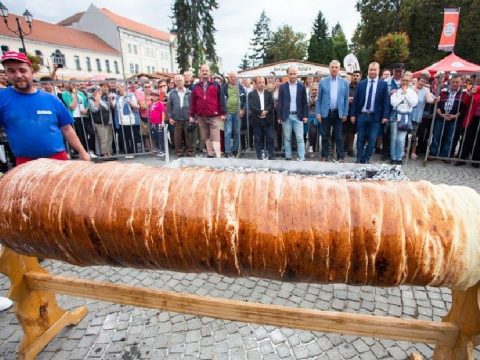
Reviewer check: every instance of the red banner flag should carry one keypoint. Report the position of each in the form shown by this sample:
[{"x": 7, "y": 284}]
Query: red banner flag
[{"x": 450, "y": 29}]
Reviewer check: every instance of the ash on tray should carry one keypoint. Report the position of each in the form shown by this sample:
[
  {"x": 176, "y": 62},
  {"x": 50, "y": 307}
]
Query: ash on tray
[{"x": 371, "y": 173}]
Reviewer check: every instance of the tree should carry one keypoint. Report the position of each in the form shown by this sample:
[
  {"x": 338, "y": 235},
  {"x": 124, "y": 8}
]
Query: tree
[
  {"x": 262, "y": 36},
  {"x": 339, "y": 43},
  {"x": 320, "y": 44},
  {"x": 392, "y": 48},
  {"x": 422, "y": 21},
  {"x": 194, "y": 25},
  {"x": 287, "y": 44},
  {"x": 35, "y": 62},
  {"x": 377, "y": 19},
  {"x": 245, "y": 64}
]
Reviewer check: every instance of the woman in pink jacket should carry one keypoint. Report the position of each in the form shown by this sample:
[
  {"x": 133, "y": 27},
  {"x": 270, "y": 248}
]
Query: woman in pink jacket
[{"x": 157, "y": 120}]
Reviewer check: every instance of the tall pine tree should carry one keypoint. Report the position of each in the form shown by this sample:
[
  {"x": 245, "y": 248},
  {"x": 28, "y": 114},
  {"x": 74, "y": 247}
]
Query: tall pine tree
[
  {"x": 245, "y": 64},
  {"x": 339, "y": 43},
  {"x": 195, "y": 30},
  {"x": 262, "y": 36},
  {"x": 320, "y": 45}
]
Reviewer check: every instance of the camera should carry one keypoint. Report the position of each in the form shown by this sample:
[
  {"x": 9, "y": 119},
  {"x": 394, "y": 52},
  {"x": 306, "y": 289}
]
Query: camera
[{"x": 191, "y": 126}]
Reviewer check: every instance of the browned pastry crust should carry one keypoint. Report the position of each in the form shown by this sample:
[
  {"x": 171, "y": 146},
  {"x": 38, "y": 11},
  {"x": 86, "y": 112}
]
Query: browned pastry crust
[{"x": 285, "y": 227}]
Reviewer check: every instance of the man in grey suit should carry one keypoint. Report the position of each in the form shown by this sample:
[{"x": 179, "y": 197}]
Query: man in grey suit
[{"x": 332, "y": 109}]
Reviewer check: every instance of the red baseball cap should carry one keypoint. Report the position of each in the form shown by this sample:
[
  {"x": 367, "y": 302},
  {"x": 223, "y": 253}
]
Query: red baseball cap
[{"x": 15, "y": 56}]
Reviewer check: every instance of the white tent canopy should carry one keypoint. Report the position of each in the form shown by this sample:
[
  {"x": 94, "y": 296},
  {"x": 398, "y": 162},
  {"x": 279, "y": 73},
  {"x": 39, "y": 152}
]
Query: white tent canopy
[{"x": 305, "y": 68}]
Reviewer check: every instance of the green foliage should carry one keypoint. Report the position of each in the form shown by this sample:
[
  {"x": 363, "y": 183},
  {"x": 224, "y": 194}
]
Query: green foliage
[
  {"x": 320, "y": 47},
  {"x": 245, "y": 64},
  {"x": 195, "y": 29},
  {"x": 422, "y": 21},
  {"x": 339, "y": 43},
  {"x": 262, "y": 37},
  {"x": 35, "y": 62},
  {"x": 287, "y": 44},
  {"x": 392, "y": 48}
]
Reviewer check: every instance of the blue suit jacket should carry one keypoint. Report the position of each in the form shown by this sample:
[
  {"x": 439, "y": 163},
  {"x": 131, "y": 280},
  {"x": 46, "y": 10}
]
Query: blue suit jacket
[
  {"x": 323, "y": 98},
  {"x": 284, "y": 101},
  {"x": 381, "y": 108}
]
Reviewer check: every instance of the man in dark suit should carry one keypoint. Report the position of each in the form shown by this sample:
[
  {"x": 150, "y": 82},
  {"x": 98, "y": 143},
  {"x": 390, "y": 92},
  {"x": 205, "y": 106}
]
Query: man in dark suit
[
  {"x": 293, "y": 112},
  {"x": 370, "y": 109},
  {"x": 261, "y": 108}
]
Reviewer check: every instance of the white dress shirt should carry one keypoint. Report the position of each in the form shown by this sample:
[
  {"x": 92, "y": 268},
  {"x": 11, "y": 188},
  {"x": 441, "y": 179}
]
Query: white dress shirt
[
  {"x": 181, "y": 95},
  {"x": 333, "y": 93},
  {"x": 261, "y": 95},
  {"x": 293, "y": 96},
  {"x": 375, "y": 83}
]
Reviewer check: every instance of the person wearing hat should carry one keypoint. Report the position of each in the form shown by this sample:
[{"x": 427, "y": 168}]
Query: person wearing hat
[{"x": 36, "y": 122}]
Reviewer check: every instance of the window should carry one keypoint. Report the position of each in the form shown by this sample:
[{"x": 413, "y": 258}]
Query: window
[
  {"x": 76, "y": 58},
  {"x": 58, "y": 58},
  {"x": 149, "y": 52},
  {"x": 4, "y": 48},
  {"x": 135, "y": 49},
  {"x": 21, "y": 50},
  {"x": 107, "y": 66},
  {"x": 136, "y": 68},
  {"x": 153, "y": 69},
  {"x": 115, "y": 64},
  {"x": 129, "y": 48},
  {"x": 89, "y": 64},
  {"x": 99, "y": 65},
  {"x": 148, "y": 69},
  {"x": 131, "y": 68},
  {"x": 39, "y": 55}
]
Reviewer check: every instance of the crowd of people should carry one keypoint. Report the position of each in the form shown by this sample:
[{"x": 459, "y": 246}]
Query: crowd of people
[{"x": 337, "y": 117}]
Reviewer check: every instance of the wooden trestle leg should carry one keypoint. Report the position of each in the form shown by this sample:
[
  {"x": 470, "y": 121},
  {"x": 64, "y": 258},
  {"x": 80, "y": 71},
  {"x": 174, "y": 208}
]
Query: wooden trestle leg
[
  {"x": 37, "y": 311},
  {"x": 465, "y": 312}
]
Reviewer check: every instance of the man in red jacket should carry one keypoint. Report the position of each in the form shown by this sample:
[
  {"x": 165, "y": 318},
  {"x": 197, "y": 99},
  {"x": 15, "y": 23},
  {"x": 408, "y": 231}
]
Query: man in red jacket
[{"x": 207, "y": 107}]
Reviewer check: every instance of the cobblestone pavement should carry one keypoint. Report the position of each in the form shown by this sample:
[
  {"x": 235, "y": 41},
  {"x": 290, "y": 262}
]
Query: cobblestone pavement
[{"x": 113, "y": 331}]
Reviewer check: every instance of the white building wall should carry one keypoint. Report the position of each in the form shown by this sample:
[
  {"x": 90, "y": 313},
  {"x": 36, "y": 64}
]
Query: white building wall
[
  {"x": 145, "y": 54},
  {"x": 96, "y": 22},
  {"x": 70, "y": 69}
]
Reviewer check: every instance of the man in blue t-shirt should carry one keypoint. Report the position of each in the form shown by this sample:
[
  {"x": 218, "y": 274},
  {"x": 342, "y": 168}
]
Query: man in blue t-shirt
[{"x": 35, "y": 121}]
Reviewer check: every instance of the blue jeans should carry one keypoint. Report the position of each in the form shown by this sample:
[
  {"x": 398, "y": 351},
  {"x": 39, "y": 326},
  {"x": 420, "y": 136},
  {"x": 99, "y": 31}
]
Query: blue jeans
[
  {"x": 397, "y": 141},
  {"x": 232, "y": 128},
  {"x": 327, "y": 123},
  {"x": 442, "y": 141},
  {"x": 367, "y": 131},
  {"x": 293, "y": 122},
  {"x": 156, "y": 131}
]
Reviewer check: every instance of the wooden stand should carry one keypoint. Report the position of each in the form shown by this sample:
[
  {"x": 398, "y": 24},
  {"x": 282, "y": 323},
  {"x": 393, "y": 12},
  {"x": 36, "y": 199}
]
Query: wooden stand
[
  {"x": 33, "y": 290},
  {"x": 37, "y": 311}
]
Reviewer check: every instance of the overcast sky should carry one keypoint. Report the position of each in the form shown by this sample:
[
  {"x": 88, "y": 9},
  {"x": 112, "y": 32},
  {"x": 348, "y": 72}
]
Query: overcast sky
[{"x": 234, "y": 19}]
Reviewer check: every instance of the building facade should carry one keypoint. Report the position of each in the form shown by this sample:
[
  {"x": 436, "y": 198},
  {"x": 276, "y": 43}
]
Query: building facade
[
  {"x": 144, "y": 49},
  {"x": 305, "y": 68},
  {"x": 79, "y": 54}
]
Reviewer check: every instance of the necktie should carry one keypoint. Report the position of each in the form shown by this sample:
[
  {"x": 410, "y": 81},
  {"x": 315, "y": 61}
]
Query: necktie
[{"x": 369, "y": 106}]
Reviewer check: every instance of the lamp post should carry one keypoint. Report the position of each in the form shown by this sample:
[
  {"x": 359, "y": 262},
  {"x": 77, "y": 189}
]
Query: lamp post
[{"x": 20, "y": 32}]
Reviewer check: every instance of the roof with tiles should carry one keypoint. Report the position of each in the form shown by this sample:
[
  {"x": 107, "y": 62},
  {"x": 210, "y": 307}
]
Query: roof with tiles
[
  {"x": 58, "y": 35},
  {"x": 71, "y": 19},
  {"x": 137, "y": 27}
]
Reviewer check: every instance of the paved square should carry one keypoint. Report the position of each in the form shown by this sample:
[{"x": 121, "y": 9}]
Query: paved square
[{"x": 113, "y": 331}]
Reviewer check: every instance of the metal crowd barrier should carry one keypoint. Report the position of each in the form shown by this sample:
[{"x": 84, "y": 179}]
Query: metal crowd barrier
[
  {"x": 457, "y": 151},
  {"x": 127, "y": 141}
]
